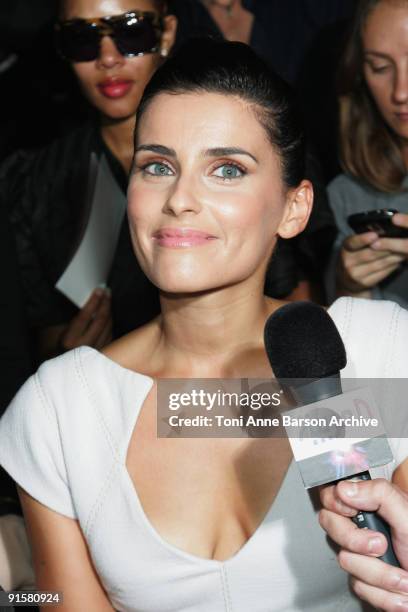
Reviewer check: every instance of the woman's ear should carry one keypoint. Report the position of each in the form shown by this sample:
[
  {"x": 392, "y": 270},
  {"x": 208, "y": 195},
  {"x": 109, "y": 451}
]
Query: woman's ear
[
  {"x": 298, "y": 207},
  {"x": 169, "y": 34}
]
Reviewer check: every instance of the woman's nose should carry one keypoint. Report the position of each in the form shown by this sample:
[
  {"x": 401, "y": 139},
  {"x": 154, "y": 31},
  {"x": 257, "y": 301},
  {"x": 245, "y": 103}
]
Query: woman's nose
[
  {"x": 181, "y": 200},
  {"x": 109, "y": 56},
  {"x": 400, "y": 92}
]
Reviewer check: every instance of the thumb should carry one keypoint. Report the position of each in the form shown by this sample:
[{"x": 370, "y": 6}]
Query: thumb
[{"x": 389, "y": 501}]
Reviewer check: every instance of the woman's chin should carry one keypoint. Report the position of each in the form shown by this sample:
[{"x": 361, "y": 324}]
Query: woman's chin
[
  {"x": 193, "y": 288},
  {"x": 183, "y": 288},
  {"x": 179, "y": 285},
  {"x": 112, "y": 115},
  {"x": 115, "y": 110}
]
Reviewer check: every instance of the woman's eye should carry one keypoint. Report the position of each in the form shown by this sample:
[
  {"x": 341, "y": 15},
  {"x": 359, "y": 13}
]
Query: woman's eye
[
  {"x": 379, "y": 69},
  {"x": 157, "y": 169},
  {"x": 229, "y": 171}
]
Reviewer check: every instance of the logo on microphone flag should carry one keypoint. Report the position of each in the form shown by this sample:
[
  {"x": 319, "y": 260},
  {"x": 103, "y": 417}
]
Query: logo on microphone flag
[{"x": 337, "y": 437}]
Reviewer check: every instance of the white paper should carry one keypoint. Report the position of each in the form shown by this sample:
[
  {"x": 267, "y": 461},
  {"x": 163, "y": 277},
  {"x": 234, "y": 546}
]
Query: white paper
[{"x": 90, "y": 266}]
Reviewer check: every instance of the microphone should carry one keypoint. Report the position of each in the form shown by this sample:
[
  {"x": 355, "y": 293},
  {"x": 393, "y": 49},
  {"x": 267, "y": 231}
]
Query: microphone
[{"x": 303, "y": 344}]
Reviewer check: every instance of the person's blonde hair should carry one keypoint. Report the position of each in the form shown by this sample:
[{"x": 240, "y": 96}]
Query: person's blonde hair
[{"x": 369, "y": 149}]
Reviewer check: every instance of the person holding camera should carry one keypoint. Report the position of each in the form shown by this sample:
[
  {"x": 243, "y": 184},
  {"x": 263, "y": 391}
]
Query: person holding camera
[{"x": 373, "y": 88}]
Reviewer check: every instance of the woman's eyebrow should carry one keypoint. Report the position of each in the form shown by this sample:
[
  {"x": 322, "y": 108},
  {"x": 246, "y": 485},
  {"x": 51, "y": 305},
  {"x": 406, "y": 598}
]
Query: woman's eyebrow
[
  {"x": 156, "y": 148},
  {"x": 377, "y": 54},
  {"x": 214, "y": 152},
  {"x": 221, "y": 151}
]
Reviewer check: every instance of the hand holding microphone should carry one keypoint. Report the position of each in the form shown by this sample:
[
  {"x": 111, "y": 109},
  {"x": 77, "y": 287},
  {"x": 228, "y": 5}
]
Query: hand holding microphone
[
  {"x": 380, "y": 584},
  {"x": 307, "y": 353}
]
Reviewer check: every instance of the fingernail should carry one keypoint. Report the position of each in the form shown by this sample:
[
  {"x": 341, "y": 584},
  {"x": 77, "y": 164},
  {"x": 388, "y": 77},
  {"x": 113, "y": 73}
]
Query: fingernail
[
  {"x": 376, "y": 245},
  {"x": 99, "y": 292},
  {"x": 351, "y": 490},
  {"x": 403, "y": 585},
  {"x": 374, "y": 545}
]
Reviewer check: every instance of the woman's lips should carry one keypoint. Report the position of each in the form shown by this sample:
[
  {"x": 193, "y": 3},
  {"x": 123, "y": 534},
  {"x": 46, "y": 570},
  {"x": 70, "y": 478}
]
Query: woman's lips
[
  {"x": 114, "y": 88},
  {"x": 178, "y": 239},
  {"x": 402, "y": 116}
]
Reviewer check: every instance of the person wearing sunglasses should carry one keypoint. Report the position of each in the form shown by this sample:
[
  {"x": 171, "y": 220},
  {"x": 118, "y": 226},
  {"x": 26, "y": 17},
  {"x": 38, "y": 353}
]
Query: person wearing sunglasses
[
  {"x": 113, "y": 57},
  {"x": 113, "y": 48}
]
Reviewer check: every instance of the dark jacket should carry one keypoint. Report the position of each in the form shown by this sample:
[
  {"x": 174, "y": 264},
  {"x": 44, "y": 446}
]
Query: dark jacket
[
  {"x": 46, "y": 195},
  {"x": 15, "y": 357},
  {"x": 282, "y": 32}
]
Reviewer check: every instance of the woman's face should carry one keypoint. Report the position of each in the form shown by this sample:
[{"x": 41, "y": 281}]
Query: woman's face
[
  {"x": 385, "y": 46},
  {"x": 113, "y": 83},
  {"x": 206, "y": 197}
]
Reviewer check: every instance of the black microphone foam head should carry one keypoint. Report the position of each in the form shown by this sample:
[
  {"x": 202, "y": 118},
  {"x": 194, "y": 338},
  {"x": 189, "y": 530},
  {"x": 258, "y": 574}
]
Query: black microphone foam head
[{"x": 302, "y": 341}]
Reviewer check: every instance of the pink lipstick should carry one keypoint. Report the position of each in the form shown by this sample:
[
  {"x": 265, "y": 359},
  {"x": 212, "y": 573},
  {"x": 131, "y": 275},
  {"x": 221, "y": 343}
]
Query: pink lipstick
[
  {"x": 181, "y": 238},
  {"x": 114, "y": 88}
]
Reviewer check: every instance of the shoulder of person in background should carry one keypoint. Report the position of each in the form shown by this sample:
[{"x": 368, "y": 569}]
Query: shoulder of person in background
[
  {"x": 15, "y": 351},
  {"x": 345, "y": 181},
  {"x": 349, "y": 195},
  {"x": 34, "y": 169},
  {"x": 358, "y": 265},
  {"x": 346, "y": 191},
  {"x": 43, "y": 192}
]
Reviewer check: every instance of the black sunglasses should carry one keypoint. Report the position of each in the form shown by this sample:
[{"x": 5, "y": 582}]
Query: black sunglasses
[{"x": 134, "y": 33}]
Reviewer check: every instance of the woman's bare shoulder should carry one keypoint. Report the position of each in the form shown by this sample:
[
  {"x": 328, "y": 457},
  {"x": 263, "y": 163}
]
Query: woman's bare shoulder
[{"x": 136, "y": 350}]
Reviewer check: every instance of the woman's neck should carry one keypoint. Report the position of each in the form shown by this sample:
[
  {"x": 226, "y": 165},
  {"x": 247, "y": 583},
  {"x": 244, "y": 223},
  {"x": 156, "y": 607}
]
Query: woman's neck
[
  {"x": 214, "y": 334},
  {"x": 118, "y": 137}
]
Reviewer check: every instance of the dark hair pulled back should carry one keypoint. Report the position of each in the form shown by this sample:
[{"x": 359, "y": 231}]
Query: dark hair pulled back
[{"x": 232, "y": 68}]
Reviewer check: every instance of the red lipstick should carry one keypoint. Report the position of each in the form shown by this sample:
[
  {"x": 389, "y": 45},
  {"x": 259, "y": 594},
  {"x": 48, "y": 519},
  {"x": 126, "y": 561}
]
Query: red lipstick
[{"x": 114, "y": 88}]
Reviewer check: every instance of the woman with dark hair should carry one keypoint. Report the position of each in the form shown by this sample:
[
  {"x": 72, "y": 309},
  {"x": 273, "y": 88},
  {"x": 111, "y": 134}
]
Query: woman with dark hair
[
  {"x": 119, "y": 517},
  {"x": 270, "y": 27},
  {"x": 373, "y": 90},
  {"x": 54, "y": 195}
]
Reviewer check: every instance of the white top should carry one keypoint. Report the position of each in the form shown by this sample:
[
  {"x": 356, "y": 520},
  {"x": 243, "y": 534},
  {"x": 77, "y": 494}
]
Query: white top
[{"x": 64, "y": 439}]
